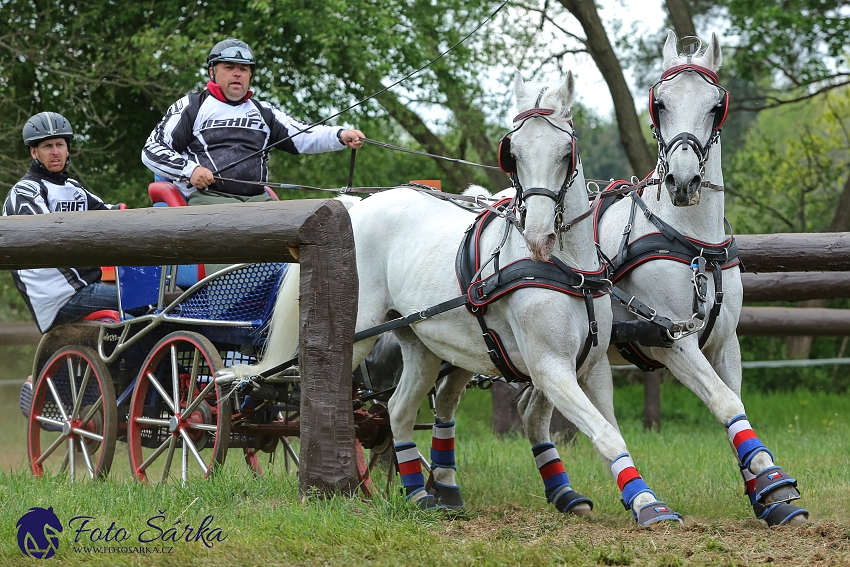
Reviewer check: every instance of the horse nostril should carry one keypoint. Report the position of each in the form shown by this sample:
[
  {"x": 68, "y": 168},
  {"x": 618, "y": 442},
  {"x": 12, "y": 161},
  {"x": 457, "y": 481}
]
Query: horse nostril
[
  {"x": 669, "y": 182},
  {"x": 694, "y": 184}
]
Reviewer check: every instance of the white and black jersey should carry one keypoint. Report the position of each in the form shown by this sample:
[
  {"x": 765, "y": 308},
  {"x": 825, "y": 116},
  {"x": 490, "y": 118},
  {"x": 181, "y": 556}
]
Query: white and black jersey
[
  {"x": 201, "y": 129},
  {"x": 47, "y": 290}
]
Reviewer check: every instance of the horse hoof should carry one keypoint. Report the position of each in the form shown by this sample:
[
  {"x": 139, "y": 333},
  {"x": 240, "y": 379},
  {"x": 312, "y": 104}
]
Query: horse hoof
[
  {"x": 581, "y": 510},
  {"x": 656, "y": 512}
]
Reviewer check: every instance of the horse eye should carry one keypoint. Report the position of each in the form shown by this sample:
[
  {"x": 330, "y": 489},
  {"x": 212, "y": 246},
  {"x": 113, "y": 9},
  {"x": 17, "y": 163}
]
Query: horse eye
[{"x": 660, "y": 105}]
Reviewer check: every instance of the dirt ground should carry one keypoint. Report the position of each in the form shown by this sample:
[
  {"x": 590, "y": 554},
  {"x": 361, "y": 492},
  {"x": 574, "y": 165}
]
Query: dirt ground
[{"x": 734, "y": 542}]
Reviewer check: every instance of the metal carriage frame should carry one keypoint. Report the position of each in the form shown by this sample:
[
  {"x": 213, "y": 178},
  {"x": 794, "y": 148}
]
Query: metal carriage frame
[{"x": 150, "y": 381}]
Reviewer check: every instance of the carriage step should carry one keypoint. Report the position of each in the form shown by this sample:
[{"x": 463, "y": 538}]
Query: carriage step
[{"x": 26, "y": 399}]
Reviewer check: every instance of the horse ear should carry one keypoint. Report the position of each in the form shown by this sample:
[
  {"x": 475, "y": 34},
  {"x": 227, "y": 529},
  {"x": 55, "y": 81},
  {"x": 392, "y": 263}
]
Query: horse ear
[
  {"x": 671, "y": 51},
  {"x": 567, "y": 92},
  {"x": 713, "y": 55},
  {"x": 519, "y": 86}
]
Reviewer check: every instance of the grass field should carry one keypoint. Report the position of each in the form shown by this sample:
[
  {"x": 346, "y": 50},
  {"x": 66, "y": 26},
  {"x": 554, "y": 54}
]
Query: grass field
[{"x": 506, "y": 522}]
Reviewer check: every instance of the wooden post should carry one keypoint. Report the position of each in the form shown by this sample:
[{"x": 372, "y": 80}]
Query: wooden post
[
  {"x": 652, "y": 400},
  {"x": 825, "y": 251},
  {"x": 320, "y": 230},
  {"x": 506, "y": 416}
]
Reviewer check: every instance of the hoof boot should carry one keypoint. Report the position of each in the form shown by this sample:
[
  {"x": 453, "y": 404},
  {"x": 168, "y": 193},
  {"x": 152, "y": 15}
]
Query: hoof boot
[
  {"x": 781, "y": 514},
  {"x": 448, "y": 496},
  {"x": 568, "y": 500},
  {"x": 656, "y": 512}
]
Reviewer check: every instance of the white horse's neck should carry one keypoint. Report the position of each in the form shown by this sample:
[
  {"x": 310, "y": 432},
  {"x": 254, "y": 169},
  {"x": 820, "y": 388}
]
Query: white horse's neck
[
  {"x": 703, "y": 221},
  {"x": 579, "y": 248}
]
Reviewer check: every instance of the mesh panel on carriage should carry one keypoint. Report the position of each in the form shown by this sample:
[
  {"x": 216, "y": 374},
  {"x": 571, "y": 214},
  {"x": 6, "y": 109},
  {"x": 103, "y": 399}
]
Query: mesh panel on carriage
[{"x": 245, "y": 295}]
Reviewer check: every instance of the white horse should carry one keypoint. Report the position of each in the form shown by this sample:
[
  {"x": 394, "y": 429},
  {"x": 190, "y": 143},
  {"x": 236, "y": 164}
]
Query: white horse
[
  {"x": 407, "y": 243},
  {"x": 688, "y": 110}
]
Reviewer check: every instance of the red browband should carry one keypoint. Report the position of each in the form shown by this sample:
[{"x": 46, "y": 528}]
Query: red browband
[
  {"x": 704, "y": 71},
  {"x": 534, "y": 112}
]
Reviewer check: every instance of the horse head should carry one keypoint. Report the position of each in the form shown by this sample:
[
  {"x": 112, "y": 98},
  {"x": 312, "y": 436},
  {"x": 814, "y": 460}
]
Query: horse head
[
  {"x": 687, "y": 108},
  {"x": 541, "y": 157}
]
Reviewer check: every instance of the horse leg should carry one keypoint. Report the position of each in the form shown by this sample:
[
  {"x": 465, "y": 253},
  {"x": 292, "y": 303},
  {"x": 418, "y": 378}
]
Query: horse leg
[
  {"x": 536, "y": 413},
  {"x": 442, "y": 483},
  {"x": 769, "y": 488},
  {"x": 572, "y": 402},
  {"x": 418, "y": 376}
]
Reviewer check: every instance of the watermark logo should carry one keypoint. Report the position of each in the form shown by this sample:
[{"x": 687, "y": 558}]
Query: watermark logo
[{"x": 38, "y": 533}]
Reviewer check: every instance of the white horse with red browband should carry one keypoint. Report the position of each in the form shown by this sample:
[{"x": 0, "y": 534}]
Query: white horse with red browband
[
  {"x": 407, "y": 244},
  {"x": 688, "y": 108}
]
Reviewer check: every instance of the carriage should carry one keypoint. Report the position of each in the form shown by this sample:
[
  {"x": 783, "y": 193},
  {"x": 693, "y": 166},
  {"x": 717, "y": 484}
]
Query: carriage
[{"x": 149, "y": 380}]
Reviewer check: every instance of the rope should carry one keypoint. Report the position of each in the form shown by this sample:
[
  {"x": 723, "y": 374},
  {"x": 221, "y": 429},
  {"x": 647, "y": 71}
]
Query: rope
[
  {"x": 435, "y": 156},
  {"x": 358, "y": 103}
]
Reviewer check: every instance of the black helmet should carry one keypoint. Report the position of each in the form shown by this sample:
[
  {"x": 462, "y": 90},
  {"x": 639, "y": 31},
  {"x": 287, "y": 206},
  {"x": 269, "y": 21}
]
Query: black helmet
[
  {"x": 232, "y": 50},
  {"x": 46, "y": 125}
]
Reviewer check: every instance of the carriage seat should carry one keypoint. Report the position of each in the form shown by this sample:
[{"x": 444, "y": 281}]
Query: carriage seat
[
  {"x": 165, "y": 194},
  {"x": 104, "y": 315}
]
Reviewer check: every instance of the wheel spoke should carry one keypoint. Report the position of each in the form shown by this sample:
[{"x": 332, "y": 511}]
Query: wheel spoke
[
  {"x": 152, "y": 421},
  {"x": 73, "y": 380},
  {"x": 172, "y": 444},
  {"x": 92, "y": 410},
  {"x": 86, "y": 457},
  {"x": 203, "y": 427},
  {"x": 175, "y": 378},
  {"x": 161, "y": 391},
  {"x": 48, "y": 421},
  {"x": 47, "y": 452},
  {"x": 191, "y": 407},
  {"x": 188, "y": 441},
  {"x": 64, "y": 463},
  {"x": 56, "y": 398},
  {"x": 83, "y": 385},
  {"x": 193, "y": 377},
  {"x": 290, "y": 451},
  {"x": 72, "y": 459},
  {"x": 88, "y": 434},
  {"x": 184, "y": 461},
  {"x": 155, "y": 454}
]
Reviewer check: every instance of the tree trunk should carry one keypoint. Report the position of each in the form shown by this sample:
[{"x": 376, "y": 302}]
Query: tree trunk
[
  {"x": 652, "y": 400},
  {"x": 680, "y": 15},
  {"x": 603, "y": 55},
  {"x": 506, "y": 416}
]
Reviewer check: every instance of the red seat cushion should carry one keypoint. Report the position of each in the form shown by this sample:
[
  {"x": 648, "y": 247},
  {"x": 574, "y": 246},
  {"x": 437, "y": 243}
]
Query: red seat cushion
[
  {"x": 105, "y": 315},
  {"x": 164, "y": 192}
]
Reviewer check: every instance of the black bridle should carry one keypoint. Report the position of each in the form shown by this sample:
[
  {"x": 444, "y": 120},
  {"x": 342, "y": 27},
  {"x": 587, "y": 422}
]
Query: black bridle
[
  {"x": 687, "y": 140},
  {"x": 558, "y": 197}
]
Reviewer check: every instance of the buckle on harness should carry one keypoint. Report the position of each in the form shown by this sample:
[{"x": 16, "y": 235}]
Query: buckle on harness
[
  {"x": 594, "y": 327},
  {"x": 648, "y": 214},
  {"x": 627, "y": 229}
]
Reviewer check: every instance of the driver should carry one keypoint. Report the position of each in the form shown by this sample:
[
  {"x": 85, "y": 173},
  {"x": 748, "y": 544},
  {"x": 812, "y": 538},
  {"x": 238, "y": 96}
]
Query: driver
[
  {"x": 56, "y": 295},
  {"x": 208, "y": 130}
]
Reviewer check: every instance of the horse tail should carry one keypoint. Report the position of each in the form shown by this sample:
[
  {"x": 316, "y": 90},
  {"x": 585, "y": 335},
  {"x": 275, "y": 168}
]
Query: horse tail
[{"x": 282, "y": 341}]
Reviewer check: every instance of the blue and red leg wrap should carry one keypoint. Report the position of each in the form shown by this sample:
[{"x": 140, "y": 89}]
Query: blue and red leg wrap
[
  {"x": 409, "y": 468},
  {"x": 744, "y": 441},
  {"x": 443, "y": 445},
  {"x": 628, "y": 478}
]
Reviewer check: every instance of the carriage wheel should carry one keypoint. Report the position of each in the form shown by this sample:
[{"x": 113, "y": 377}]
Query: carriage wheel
[
  {"x": 175, "y": 407},
  {"x": 73, "y": 423}
]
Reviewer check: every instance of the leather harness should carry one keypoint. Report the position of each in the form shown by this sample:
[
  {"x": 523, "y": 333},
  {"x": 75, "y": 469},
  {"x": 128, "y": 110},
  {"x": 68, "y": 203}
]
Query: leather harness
[
  {"x": 666, "y": 244},
  {"x": 553, "y": 274}
]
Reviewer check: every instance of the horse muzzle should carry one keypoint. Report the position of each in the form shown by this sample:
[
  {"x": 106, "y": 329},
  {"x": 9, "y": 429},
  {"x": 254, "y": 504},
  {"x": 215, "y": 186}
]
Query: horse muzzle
[
  {"x": 540, "y": 245},
  {"x": 683, "y": 192}
]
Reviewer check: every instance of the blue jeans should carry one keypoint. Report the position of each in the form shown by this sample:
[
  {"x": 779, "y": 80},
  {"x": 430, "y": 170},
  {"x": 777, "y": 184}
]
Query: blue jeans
[{"x": 91, "y": 298}]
